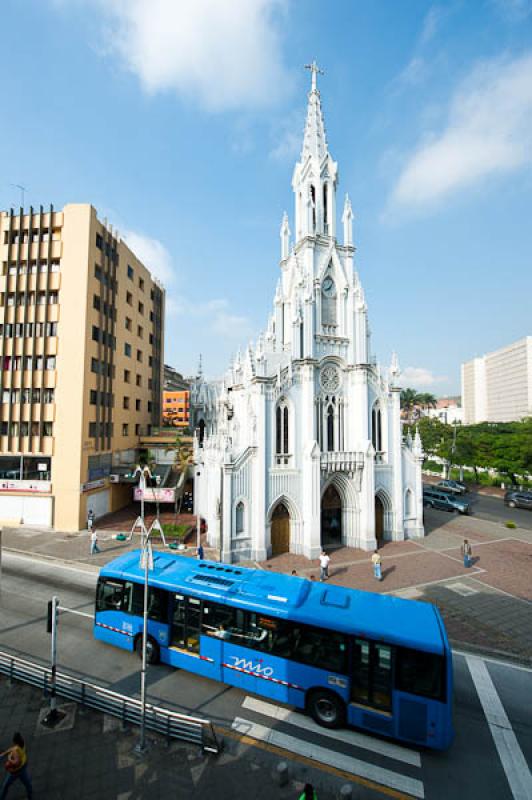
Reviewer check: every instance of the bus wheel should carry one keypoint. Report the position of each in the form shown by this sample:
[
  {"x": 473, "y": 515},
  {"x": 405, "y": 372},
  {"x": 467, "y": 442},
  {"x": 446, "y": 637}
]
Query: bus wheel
[
  {"x": 152, "y": 649},
  {"x": 326, "y": 708}
]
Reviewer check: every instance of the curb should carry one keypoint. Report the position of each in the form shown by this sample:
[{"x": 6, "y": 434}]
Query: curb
[
  {"x": 491, "y": 652},
  {"x": 44, "y": 557}
]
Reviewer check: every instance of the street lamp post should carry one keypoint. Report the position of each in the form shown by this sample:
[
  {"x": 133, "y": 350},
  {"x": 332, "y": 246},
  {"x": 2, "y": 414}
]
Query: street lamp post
[
  {"x": 146, "y": 560},
  {"x": 198, "y": 515}
]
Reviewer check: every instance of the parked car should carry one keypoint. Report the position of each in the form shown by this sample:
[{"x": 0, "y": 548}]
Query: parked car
[
  {"x": 452, "y": 486},
  {"x": 517, "y": 499},
  {"x": 444, "y": 501}
]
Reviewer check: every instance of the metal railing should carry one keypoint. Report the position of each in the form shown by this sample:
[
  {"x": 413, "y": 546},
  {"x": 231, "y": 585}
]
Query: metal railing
[{"x": 168, "y": 723}]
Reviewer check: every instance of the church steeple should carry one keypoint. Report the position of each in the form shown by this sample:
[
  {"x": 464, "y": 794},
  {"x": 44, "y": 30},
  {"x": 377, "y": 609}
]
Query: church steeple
[
  {"x": 314, "y": 139},
  {"x": 316, "y": 174}
]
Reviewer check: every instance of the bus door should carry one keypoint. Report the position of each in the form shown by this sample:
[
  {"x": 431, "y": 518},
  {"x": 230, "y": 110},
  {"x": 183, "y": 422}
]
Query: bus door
[
  {"x": 186, "y": 648},
  {"x": 371, "y": 684}
]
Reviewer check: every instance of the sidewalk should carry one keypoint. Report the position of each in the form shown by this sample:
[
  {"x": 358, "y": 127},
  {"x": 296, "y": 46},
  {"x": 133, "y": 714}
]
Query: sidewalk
[
  {"x": 91, "y": 758},
  {"x": 487, "y": 606}
]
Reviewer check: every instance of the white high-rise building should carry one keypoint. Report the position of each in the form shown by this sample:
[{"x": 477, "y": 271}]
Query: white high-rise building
[
  {"x": 497, "y": 387},
  {"x": 299, "y": 446}
]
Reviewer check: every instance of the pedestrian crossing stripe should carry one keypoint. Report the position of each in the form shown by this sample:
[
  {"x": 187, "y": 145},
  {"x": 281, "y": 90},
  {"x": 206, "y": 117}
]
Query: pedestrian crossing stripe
[
  {"x": 350, "y": 737},
  {"x": 324, "y": 755}
]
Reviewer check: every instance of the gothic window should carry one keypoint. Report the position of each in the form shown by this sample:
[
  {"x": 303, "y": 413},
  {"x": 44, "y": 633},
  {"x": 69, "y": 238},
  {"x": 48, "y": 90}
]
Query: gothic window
[
  {"x": 313, "y": 203},
  {"x": 239, "y": 518},
  {"x": 325, "y": 210},
  {"x": 409, "y": 504},
  {"x": 376, "y": 428},
  {"x": 301, "y": 340},
  {"x": 330, "y": 429},
  {"x": 328, "y": 302},
  {"x": 282, "y": 438},
  {"x": 201, "y": 427}
]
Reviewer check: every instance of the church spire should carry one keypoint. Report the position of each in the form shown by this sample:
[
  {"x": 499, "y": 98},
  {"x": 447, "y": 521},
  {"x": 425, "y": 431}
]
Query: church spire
[
  {"x": 316, "y": 174},
  {"x": 314, "y": 140}
]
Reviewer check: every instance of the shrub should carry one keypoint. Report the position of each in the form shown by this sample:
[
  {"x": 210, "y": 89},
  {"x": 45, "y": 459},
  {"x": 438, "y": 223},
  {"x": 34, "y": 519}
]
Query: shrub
[
  {"x": 510, "y": 524},
  {"x": 172, "y": 531}
]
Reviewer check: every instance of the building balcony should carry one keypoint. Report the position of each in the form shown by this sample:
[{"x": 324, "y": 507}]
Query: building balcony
[{"x": 340, "y": 461}]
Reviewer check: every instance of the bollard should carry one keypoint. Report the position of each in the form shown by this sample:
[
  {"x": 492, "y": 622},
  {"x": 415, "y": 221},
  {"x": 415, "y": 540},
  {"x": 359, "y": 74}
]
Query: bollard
[
  {"x": 346, "y": 792},
  {"x": 281, "y": 773}
]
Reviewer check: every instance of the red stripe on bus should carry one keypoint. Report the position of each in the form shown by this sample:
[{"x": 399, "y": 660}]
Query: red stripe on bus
[
  {"x": 116, "y": 630},
  {"x": 264, "y": 677}
]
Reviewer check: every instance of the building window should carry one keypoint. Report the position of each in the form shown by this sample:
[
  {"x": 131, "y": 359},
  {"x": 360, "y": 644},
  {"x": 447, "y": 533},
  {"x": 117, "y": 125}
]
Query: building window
[
  {"x": 140, "y": 331},
  {"x": 130, "y": 272},
  {"x": 93, "y": 397},
  {"x": 239, "y": 518},
  {"x": 128, "y": 324},
  {"x": 95, "y": 334},
  {"x": 125, "y": 429},
  {"x": 330, "y": 429},
  {"x": 137, "y": 430},
  {"x": 137, "y": 405},
  {"x": 127, "y": 349},
  {"x": 99, "y": 241},
  {"x": 141, "y": 308},
  {"x": 129, "y": 298},
  {"x": 149, "y": 405},
  {"x": 139, "y": 355},
  {"x": 282, "y": 433},
  {"x": 50, "y": 362},
  {"x": 48, "y": 395},
  {"x": 376, "y": 428},
  {"x": 96, "y": 302},
  {"x": 127, "y": 376},
  {"x": 24, "y": 428},
  {"x": 139, "y": 380},
  {"x": 141, "y": 284},
  {"x": 125, "y": 402},
  {"x": 92, "y": 430},
  {"x": 47, "y": 429}
]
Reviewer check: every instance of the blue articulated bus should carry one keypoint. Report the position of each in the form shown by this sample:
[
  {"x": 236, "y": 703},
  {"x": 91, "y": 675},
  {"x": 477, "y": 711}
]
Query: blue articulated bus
[{"x": 376, "y": 662}]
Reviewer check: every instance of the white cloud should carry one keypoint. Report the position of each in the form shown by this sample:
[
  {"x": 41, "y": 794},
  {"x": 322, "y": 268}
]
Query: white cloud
[
  {"x": 420, "y": 378},
  {"x": 222, "y": 54},
  {"x": 431, "y": 23},
  {"x": 153, "y": 255},
  {"x": 212, "y": 315},
  {"x": 489, "y": 131}
]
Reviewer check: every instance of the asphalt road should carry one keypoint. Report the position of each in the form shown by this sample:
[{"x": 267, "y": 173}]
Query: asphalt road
[
  {"x": 493, "y": 509},
  {"x": 490, "y": 757}
]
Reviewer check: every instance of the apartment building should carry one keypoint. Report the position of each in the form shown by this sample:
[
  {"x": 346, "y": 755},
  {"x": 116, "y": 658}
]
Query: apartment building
[
  {"x": 81, "y": 357},
  {"x": 497, "y": 387},
  {"x": 176, "y": 408}
]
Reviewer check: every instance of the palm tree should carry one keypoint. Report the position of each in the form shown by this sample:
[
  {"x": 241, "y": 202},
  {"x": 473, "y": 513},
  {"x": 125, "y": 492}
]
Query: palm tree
[
  {"x": 408, "y": 401},
  {"x": 427, "y": 400}
]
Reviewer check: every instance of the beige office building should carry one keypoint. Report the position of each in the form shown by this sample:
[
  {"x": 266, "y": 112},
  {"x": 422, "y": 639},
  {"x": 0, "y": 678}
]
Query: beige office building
[
  {"x": 497, "y": 387},
  {"x": 81, "y": 327}
]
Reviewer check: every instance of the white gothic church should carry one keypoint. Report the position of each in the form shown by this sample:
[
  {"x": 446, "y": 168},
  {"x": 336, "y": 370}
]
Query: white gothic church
[{"x": 299, "y": 447}]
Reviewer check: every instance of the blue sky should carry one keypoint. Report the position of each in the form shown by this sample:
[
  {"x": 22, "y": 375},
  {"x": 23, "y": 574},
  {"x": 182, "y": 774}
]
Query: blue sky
[{"x": 181, "y": 123}]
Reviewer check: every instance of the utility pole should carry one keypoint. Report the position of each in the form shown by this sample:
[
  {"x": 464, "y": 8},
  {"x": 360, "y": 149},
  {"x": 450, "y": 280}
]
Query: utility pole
[{"x": 54, "y": 716}]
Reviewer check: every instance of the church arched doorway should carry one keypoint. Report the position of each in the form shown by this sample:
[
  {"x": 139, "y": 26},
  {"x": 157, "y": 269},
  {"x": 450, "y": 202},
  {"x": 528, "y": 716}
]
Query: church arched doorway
[
  {"x": 331, "y": 517},
  {"x": 280, "y": 530},
  {"x": 379, "y": 520}
]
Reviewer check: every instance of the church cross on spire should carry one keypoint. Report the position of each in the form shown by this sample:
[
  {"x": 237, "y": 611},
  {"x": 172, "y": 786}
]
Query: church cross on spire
[{"x": 315, "y": 70}]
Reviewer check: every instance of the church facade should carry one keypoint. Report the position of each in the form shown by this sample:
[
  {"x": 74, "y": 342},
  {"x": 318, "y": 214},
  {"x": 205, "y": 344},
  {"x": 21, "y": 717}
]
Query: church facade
[{"x": 300, "y": 446}]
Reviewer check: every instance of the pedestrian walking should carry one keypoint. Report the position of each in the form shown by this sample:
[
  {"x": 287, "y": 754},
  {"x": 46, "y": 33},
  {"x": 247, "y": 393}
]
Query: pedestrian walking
[
  {"x": 309, "y": 793},
  {"x": 324, "y": 566},
  {"x": 200, "y": 552},
  {"x": 294, "y": 572},
  {"x": 90, "y": 520},
  {"x": 94, "y": 543},
  {"x": 467, "y": 553},
  {"x": 16, "y": 766},
  {"x": 377, "y": 562}
]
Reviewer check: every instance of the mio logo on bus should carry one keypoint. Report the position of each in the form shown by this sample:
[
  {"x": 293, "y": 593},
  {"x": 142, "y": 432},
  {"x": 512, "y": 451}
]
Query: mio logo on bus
[{"x": 248, "y": 666}]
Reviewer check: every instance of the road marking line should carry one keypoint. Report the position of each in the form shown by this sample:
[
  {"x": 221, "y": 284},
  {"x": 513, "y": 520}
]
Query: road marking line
[
  {"x": 511, "y": 755},
  {"x": 51, "y": 561},
  {"x": 491, "y": 660},
  {"x": 349, "y": 737},
  {"x": 315, "y": 752}
]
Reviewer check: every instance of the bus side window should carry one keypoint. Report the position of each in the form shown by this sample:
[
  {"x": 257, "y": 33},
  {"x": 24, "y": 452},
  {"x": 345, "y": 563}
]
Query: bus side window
[
  {"x": 324, "y": 649},
  {"x": 110, "y": 595},
  {"x": 133, "y": 600},
  {"x": 157, "y": 604},
  {"x": 420, "y": 673}
]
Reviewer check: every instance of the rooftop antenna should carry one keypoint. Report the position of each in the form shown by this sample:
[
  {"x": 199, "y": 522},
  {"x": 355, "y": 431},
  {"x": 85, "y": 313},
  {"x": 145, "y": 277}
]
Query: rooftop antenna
[{"x": 22, "y": 190}]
